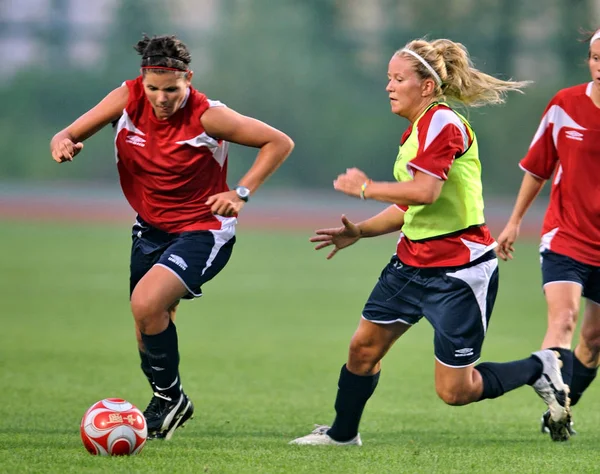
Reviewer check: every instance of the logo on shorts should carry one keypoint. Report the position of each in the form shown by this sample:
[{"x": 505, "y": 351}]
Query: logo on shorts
[
  {"x": 467, "y": 351},
  {"x": 135, "y": 140},
  {"x": 177, "y": 260}
]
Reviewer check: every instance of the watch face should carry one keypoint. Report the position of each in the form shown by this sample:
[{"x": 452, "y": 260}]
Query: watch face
[{"x": 242, "y": 192}]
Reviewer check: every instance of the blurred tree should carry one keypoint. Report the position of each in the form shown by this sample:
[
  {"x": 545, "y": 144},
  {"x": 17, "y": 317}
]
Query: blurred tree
[
  {"x": 132, "y": 19},
  {"x": 58, "y": 34},
  {"x": 576, "y": 17},
  {"x": 287, "y": 64},
  {"x": 304, "y": 68},
  {"x": 504, "y": 50}
]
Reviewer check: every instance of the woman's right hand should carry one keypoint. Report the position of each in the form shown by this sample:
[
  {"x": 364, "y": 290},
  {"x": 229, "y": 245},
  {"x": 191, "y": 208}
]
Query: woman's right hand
[
  {"x": 340, "y": 237},
  {"x": 65, "y": 150},
  {"x": 506, "y": 239}
]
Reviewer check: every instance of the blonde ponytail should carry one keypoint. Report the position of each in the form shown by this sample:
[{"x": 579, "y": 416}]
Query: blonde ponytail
[{"x": 461, "y": 82}]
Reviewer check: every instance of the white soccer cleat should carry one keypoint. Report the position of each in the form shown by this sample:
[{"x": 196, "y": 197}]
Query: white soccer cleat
[
  {"x": 552, "y": 389},
  {"x": 319, "y": 437}
]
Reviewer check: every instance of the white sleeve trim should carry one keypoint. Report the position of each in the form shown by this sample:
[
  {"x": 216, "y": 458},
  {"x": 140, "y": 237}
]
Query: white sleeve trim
[
  {"x": 215, "y": 103},
  {"x": 532, "y": 174},
  {"x": 425, "y": 171}
]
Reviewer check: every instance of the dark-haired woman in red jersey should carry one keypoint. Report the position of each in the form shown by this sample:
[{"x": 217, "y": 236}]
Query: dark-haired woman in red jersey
[{"x": 171, "y": 145}]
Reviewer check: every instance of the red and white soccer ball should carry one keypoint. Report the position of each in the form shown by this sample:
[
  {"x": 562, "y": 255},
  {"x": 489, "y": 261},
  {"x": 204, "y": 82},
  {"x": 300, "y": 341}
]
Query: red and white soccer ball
[{"x": 113, "y": 427}]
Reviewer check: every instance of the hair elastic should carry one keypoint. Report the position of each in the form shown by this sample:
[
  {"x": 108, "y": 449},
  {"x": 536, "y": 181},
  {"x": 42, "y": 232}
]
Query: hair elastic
[{"x": 435, "y": 75}]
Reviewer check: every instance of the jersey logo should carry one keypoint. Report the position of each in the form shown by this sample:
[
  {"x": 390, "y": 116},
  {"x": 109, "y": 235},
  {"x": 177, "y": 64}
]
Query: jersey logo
[
  {"x": 574, "y": 135},
  {"x": 135, "y": 140}
]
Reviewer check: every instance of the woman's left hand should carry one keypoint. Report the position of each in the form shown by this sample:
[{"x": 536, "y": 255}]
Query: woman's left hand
[
  {"x": 226, "y": 204},
  {"x": 350, "y": 182}
]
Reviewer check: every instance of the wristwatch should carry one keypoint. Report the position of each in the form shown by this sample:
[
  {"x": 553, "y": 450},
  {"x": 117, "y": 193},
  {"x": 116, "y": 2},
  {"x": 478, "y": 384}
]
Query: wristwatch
[{"x": 242, "y": 192}]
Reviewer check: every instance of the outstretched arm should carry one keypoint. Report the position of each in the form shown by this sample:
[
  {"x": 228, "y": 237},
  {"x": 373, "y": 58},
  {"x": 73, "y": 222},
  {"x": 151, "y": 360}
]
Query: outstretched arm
[
  {"x": 387, "y": 221},
  {"x": 391, "y": 219},
  {"x": 530, "y": 188},
  {"x": 68, "y": 142}
]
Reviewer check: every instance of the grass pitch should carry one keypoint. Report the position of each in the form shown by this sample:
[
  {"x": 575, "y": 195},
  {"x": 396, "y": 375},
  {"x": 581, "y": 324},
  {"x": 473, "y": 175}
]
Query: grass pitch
[{"x": 261, "y": 353}]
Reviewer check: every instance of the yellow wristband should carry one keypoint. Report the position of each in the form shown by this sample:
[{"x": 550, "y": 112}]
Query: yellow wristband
[{"x": 363, "y": 188}]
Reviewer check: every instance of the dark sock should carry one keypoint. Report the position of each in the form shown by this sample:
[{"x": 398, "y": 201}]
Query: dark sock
[
  {"x": 163, "y": 356},
  {"x": 499, "y": 378},
  {"x": 582, "y": 378},
  {"x": 145, "y": 365},
  {"x": 353, "y": 393},
  {"x": 566, "y": 356}
]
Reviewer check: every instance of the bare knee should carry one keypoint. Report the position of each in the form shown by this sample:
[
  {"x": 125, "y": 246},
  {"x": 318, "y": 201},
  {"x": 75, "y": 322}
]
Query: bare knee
[
  {"x": 563, "y": 321},
  {"x": 148, "y": 314},
  {"x": 363, "y": 357},
  {"x": 454, "y": 396},
  {"x": 461, "y": 389}
]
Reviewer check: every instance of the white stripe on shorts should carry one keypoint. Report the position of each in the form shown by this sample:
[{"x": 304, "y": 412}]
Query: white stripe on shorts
[{"x": 478, "y": 278}]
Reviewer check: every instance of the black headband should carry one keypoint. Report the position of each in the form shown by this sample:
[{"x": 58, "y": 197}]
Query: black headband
[
  {"x": 164, "y": 57},
  {"x": 177, "y": 63}
]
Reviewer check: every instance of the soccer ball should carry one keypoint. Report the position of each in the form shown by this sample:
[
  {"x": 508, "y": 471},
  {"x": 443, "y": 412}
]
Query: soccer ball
[{"x": 113, "y": 427}]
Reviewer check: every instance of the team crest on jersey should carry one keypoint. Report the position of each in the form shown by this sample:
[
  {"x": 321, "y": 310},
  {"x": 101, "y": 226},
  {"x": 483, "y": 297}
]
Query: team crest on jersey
[{"x": 136, "y": 140}]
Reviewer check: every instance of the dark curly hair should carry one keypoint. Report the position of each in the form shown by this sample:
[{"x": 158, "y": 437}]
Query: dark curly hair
[{"x": 165, "y": 50}]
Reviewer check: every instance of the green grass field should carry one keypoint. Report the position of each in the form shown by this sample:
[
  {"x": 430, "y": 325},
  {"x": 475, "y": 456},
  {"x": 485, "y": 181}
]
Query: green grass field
[{"x": 261, "y": 353}]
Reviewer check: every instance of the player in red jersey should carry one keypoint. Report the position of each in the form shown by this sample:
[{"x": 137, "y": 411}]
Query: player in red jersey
[
  {"x": 171, "y": 146},
  {"x": 565, "y": 149}
]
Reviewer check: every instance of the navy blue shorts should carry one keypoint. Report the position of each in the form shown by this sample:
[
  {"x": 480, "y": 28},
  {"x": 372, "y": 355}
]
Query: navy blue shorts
[
  {"x": 560, "y": 268},
  {"x": 194, "y": 257},
  {"x": 457, "y": 301}
]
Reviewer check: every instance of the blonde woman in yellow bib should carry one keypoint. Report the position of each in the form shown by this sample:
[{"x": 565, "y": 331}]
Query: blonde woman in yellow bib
[{"x": 444, "y": 267}]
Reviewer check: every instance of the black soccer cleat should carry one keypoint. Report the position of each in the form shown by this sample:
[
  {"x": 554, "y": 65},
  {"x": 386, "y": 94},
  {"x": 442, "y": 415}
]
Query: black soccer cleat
[
  {"x": 164, "y": 415},
  {"x": 546, "y": 423}
]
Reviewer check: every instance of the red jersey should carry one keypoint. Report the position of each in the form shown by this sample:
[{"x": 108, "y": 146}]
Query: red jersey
[
  {"x": 452, "y": 251},
  {"x": 567, "y": 145},
  {"x": 442, "y": 137},
  {"x": 169, "y": 168}
]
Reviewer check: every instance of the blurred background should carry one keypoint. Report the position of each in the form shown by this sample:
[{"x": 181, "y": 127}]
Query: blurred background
[{"x": 316, "y": 69}]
